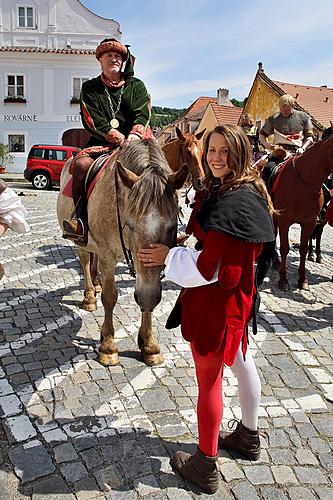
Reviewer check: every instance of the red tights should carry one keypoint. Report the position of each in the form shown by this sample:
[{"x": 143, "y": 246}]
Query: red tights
[{"x": 209, "y": 371}]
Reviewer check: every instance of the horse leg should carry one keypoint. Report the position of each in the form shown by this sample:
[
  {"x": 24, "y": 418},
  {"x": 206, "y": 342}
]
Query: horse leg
[
  {"x": 89, "y": 301},
  {"x": 108, "y": 352},
  {"x": 148, "y": 344},
  {"x": 94, "y": 273},
  {"x": 319, "y": 258},
  {"x": 306, "y": 231},
  {"x": 275, "y": 259},
  {"x": 310, "y": 248},
  {"x": 283, "y": 283}
]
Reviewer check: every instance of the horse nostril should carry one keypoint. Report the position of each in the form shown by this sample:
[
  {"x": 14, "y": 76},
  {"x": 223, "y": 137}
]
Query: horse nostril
[{"x": 136, "y": 298}]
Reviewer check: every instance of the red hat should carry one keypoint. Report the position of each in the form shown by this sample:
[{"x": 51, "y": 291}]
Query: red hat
[{"x": 111, "y": 45}]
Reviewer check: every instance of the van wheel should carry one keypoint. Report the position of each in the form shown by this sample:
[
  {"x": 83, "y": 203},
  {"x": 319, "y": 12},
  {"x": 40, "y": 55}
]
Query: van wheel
[{"x": 40, "y": 180}]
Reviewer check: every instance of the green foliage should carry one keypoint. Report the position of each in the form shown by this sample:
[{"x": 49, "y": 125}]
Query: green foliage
[
  {"x": 5, "y": 156},
  {"x": 161, "y": 117},
  {"x": 239, "y": 104}
]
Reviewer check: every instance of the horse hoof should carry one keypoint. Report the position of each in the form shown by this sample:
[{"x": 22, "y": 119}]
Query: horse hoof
[
  {"x": 319, "y": 260},
  {"x": 90, "y": 306},
  {"x": 152, "y": 359},
  {"x": 311, "y": 257},
  {"x": 303, "y": 285},
  {"x": 98, "y": 288},
  {"x": 284, "y": 286},
  {"x": 108, "y": 359}
]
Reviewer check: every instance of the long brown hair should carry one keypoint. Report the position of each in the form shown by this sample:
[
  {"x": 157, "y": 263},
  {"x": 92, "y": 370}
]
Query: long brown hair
[{"x": 239, "y": 162}]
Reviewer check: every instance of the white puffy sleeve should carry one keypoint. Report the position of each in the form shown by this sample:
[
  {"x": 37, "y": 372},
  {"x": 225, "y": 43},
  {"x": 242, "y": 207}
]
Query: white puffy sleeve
[
  {"x": 12, "y": 212},
  {"x": 181, "y": 268}
]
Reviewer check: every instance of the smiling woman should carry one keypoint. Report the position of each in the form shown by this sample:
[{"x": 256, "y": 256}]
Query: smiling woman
[{"x": 231, "y": 221}]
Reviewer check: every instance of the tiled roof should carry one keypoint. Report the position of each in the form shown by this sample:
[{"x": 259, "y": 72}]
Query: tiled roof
[
  {"x": 226, "y": 114},
  {"x": 317, "y": 101},
  {"x": 197, "y": 108},
  {"x": 48, "y": 51}
]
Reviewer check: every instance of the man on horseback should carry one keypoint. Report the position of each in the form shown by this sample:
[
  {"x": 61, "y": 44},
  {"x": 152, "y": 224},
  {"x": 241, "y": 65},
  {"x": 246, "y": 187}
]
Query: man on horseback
[
  {"x": 115, "y": 109},
  {"x": 292, "y": 130}
]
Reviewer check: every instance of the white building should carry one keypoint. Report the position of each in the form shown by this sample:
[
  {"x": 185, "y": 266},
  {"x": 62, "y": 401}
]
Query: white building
[{"x": 47, "y": 49}]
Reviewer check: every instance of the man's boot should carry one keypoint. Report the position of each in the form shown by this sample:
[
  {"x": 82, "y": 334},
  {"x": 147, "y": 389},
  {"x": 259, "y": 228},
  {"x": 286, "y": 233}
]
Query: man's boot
[
  {"x": 243, "y": 440},
  {"x": 198, "y": 468}
]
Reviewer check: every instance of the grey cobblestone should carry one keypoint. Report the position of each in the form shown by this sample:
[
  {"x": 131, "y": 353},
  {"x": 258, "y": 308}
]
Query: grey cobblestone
[{"x": 75, "y": 429}]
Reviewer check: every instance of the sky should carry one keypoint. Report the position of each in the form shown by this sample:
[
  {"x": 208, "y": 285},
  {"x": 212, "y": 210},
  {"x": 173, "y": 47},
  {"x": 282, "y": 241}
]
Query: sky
[{"x": 189, "y": 48}]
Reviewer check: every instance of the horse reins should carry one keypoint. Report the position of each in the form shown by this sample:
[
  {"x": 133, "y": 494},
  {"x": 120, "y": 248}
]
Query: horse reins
[{"x": 127, "y": 253}]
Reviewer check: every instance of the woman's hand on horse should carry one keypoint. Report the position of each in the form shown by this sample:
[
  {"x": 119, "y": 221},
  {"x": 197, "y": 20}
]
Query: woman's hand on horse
[{"x": 153, "y": 256}]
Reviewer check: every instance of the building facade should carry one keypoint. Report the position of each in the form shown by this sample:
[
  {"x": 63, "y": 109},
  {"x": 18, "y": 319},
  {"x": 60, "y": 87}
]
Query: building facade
[{"x": 47, "y": 49}]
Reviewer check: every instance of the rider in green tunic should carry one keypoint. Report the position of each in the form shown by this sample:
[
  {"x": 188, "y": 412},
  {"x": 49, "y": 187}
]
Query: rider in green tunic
[{"x": 115, "y": 110}]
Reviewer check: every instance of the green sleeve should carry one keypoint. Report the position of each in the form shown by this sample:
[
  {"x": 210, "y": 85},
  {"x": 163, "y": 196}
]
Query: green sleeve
[
  {"x": 93, "y": 117},
  {"x": 141, "y": 105}
]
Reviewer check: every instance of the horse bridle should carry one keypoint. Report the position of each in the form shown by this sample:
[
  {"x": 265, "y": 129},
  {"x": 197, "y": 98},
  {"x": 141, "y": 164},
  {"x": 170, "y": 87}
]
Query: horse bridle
[{"x": 127, "y": 253}]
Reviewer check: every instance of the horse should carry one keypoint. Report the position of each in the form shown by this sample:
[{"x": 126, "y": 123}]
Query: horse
[
  {"x": 298, "y": 198},
  {"x": 318, "y": 231},
  {"x": 132, "y": 205},
  {"x": 321, "y": 223},
  {"x": 186, "y": 149}
]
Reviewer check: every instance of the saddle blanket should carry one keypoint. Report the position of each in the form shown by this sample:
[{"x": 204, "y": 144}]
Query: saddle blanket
[{"x": 94, "y": 173}]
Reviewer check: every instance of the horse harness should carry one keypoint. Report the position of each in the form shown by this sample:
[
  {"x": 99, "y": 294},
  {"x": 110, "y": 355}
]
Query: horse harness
[{"x": 126, "y": 251}]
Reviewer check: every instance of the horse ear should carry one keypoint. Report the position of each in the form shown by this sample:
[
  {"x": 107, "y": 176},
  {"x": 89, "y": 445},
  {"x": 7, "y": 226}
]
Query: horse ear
[
  {"x": 200, "y": 134},
  {"x": 178, "y": 178},
  {"x": 128, "y": 178},
  {"x": 180, "y": 134}
]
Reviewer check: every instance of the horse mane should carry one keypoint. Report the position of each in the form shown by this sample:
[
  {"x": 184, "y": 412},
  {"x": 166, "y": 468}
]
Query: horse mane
[{"x": 145, "y": 159}]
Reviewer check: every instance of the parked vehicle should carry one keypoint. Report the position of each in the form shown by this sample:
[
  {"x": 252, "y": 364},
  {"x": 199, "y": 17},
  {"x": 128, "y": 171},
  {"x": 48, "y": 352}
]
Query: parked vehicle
[{"x": 45, "y": 163}]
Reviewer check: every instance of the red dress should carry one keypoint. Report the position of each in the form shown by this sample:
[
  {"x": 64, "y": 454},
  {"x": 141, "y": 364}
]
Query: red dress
[{"x": 216, "y": 316}]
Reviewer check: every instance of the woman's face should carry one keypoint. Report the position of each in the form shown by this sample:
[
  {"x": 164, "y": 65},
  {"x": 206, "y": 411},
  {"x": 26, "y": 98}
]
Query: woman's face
[
  {"x": 217, "y": 155},
  {"x": 111, "y": 62}
]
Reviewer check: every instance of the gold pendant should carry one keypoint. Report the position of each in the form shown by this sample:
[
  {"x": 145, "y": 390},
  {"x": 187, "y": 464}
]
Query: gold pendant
[{"x": 114, "y": 123}]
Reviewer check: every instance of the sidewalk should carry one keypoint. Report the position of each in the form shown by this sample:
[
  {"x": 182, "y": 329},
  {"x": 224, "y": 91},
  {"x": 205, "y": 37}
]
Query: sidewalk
[{"x": 13, "y": 177}]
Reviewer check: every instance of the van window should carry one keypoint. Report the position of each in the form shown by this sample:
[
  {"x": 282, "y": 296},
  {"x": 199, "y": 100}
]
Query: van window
[{"x": 56, "y": 154}]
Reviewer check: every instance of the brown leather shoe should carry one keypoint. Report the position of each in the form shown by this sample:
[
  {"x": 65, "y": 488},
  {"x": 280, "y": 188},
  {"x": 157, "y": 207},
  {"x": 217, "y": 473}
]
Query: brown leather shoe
[
  {"x": 242, "y": 439},
  {"x": 198, "y": 468},
  {"x": 75, "y": 230}
]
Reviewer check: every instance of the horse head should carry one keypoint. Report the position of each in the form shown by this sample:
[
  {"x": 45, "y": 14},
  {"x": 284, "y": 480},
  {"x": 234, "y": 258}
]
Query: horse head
[
  {"x": 192, "y": 155},
  {"x": 150, "y": 213}
]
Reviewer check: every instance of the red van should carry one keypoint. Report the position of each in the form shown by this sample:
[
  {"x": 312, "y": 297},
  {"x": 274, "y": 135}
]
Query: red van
[{"x": 45, "y": 163}]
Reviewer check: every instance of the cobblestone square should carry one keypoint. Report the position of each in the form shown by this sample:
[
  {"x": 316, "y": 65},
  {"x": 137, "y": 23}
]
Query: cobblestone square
[{"x": 72, "y": 429}]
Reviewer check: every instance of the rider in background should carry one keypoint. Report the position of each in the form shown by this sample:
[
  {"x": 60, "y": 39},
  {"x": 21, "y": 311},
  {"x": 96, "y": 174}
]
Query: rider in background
[
  {"x": 115, "y": 109},
  {"x": 292, "y": 129},
  {"x": 248, "y": 125}
]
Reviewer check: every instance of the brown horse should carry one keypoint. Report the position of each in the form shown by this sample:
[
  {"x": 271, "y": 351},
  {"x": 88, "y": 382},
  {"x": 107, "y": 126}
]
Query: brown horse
[
  {"x": 186, "y": 149},
  {"x": 298, "y": 197},
  {"x": 132, "y": 205}
]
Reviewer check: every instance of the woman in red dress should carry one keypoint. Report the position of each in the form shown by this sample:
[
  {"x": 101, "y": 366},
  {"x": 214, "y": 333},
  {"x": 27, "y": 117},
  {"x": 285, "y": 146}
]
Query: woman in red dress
[{"x": 231, "y": 220}]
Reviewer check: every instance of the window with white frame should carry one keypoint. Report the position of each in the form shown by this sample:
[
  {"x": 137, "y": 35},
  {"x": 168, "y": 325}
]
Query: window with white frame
[
  {"x": 16, "y": 143},
  {"x": 77, "y": 84},
  {"x": 15, "y": 86},
  {"x": 26, "y": 17}
]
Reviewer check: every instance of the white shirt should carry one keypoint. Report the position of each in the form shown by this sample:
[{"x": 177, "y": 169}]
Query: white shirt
[
  {"x": 12, "y": 212},
  {"x": 181, "y": 268}
]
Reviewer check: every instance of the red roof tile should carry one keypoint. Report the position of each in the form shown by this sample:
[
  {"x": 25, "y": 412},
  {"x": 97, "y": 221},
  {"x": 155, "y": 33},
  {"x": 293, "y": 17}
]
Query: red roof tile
[
  {"x": 226, "y": 114},
  {"x": 198, "y": 107},
  {"x": 317, "y": 101}
]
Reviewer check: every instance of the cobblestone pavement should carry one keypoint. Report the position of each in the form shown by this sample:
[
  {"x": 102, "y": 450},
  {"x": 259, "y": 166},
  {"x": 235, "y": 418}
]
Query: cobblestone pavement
[{"x": 72, "y": 428}]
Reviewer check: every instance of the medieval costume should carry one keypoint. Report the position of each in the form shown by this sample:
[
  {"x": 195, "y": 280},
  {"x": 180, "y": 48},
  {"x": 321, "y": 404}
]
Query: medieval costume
[{"x": 111, "y": 111}]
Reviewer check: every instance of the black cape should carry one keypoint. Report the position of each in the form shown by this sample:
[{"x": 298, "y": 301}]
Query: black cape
[{"x": 241, "y": 213}]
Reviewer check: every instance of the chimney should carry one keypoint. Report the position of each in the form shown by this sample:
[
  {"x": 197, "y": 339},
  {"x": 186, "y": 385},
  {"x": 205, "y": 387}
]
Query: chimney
[{"x": 222, "y": 97}]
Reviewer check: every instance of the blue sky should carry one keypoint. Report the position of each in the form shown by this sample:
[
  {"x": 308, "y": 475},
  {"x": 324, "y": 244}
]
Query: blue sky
[{"x": 189, "y": 48}]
